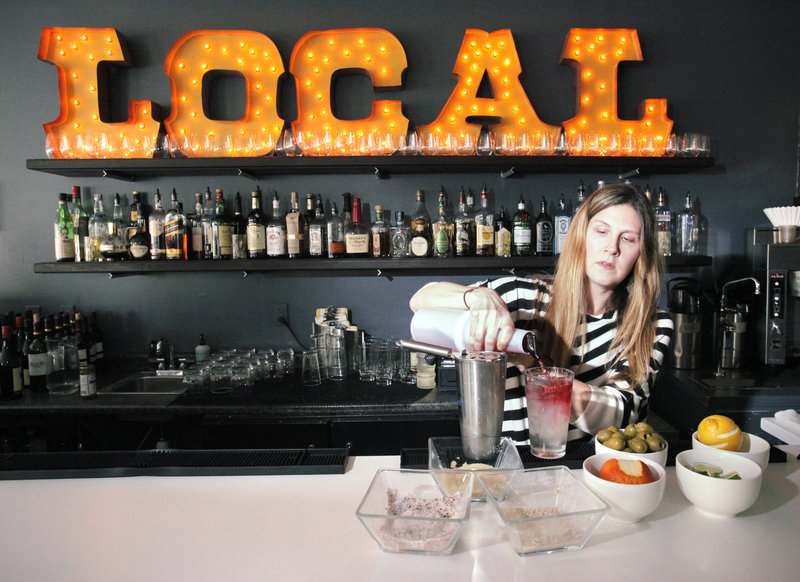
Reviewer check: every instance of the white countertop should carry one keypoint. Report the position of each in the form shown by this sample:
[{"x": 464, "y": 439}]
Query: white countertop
[{"x": 298, "y": 528}]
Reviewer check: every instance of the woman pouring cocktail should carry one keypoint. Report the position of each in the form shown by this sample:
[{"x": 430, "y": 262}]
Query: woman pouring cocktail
[{"x": 597, "y": 315}]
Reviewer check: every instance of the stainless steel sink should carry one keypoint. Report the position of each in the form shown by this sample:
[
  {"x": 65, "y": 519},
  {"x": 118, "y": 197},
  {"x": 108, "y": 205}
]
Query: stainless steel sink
[{"x": 147, "y": 383}]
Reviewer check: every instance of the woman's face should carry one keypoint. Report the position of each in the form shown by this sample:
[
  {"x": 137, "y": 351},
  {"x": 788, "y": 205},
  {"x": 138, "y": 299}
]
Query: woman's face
[{"x": 613, "y": 243}]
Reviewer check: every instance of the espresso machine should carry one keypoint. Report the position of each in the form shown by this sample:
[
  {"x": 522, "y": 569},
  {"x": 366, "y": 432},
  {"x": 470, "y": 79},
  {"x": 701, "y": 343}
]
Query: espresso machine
[{"x": 776, "y": 323}]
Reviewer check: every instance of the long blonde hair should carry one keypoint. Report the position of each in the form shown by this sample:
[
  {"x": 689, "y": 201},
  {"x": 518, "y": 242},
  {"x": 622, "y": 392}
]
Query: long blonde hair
[{"x": 635, "y": 298}]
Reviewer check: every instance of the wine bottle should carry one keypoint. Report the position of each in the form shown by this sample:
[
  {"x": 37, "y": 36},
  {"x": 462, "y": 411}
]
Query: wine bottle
[
  {"x": 38, "y": 358},
  {"x": 80, "y": 224},
  {"x": 10, "y": 370}
]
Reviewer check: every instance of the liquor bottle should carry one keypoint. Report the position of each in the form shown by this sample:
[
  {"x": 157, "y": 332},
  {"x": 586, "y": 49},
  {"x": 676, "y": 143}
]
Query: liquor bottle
[
  {"x": 276, "y": 231},
  {"x": 443, "y": 229},
  {"x": 688, "y": 228},
  {"x": 463, "y": 228},
  {"x": 561, "y": 222},
  {"x": 38, "y": 358},
  {"x": 347, "y": 207},
  {"x": 581, "y": 197},
  {"x": 522, "y": 231},
  {"x": 25, "y": 348},
  {"x": 155, "y": 226},
  {"x": 295, "y": 230},
  {"x": 663, "y": 223},
  {"x": 400, "y": 236},
  {"x": 221, "y": 243},
  {"x": 310, "y": 214},
  {"x": 502, "y": 234},
  {"x": 648, "y": 193},
  {"x": 544, "y": 231},
  {"x": 86, "y": 350},
  {"x": 379, "y": 231},
  {"x": 64, "y": 231},
  {"x": 484, "y": 226},
  {"x": 139, "y": 244},
  {"x": 196, "y": 226},
  {"x": 112, "y": 246},
  {"x": 209, "y": 210},
  {"x": 335, "y": 228},
  {"x": 420, "y": 243},
  {"x": 174, "y": 230},
  {"x": 256, "y": 228},
  {"x": 238, "y": 230},
  {"x": 80, "y": 224},
  {"x": 96, "y": 337},
  {"x": 10, "y": 369},
  {"x": 98, "y": 229},
  {"x": 356, "y": 236},
  {"x": 135, "y": 208},
  {"x": 318, "y": 232}
]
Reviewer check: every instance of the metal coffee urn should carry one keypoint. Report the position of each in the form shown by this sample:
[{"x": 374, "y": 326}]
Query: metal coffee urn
[{"x": 684, "y": 305}]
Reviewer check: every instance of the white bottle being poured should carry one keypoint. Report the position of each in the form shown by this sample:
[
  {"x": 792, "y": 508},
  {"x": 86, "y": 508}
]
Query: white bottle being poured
[{"x": 449, "y": 328}]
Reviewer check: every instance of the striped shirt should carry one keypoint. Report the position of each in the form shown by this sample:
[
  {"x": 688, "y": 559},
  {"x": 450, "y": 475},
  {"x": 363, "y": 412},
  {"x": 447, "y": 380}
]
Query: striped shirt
[{"x": 614, "y": 399}]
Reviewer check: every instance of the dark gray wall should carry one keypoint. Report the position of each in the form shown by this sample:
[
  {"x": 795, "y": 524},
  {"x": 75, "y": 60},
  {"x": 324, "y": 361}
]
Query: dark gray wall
[{"x": 727, "y": 68}]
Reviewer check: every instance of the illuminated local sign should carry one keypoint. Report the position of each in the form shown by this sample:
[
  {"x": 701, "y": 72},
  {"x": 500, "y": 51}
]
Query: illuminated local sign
[{"x": 82, "y": 130}]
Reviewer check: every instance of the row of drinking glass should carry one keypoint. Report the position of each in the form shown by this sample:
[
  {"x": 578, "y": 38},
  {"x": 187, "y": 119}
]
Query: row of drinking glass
[
  {"x": 374, "y": 359},
  {"x": 238, "y": 369}
]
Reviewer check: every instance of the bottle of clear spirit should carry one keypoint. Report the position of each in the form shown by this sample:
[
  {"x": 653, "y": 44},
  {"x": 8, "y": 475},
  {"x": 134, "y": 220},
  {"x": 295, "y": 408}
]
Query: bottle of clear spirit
[
  {"x": 522, "y": 231},
  {"x": 561, "y": 222},
  {"x": 688, "y": 228},
  {"x": 400, "y": 235}
]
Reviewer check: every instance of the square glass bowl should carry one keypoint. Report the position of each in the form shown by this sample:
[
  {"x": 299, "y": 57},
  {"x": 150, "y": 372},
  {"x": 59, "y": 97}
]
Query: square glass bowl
[
  {"x": 407, "y": 511},
  {"x": 446, "y": 457},
  {"x": 543, "y": 510}
]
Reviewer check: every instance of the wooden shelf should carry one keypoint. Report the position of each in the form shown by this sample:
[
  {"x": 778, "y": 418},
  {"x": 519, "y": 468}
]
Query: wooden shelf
[
  {"x": 379, "y": 166},
  {"x": 308, "y": 267}
]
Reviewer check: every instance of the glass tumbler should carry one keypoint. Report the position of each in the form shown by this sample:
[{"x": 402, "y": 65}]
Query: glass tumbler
[
  {"x": 337, "y": 356},
  {"x": 384, "y": 364},
  {"x": 310, "y": 368}
]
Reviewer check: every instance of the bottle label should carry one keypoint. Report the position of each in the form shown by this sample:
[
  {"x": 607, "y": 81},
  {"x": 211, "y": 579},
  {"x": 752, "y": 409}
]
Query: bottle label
[
  {"x": 256, "y": 238},
  {"x": 356, "y": 244},
  {"x": 276, "y": 242},
  {"x": 294, "y": 234},
  {"x": 138, "y": 251},
  {"x": 239, "y": 246},
  {"x": 316, "y": 245},
  {"x": 39, "y": 364},
  {"x": 335, "y": 248},
  {"x": 562, "y": 227},
  {"x": 419, "y": 246},
  {"x": 485, "y": 235},
  {"x": 522, "y": 235},
  {"x": 503, "y": 242},
  {"x": 462, "y": 239}
]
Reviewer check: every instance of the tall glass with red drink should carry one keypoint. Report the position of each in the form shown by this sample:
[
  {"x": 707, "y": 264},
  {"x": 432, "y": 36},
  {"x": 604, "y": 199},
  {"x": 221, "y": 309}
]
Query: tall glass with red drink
[{"x": 548, "y": 392}]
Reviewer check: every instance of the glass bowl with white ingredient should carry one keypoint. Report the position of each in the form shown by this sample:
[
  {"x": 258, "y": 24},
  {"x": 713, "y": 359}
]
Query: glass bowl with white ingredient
[{"x": 543, "y": 510}]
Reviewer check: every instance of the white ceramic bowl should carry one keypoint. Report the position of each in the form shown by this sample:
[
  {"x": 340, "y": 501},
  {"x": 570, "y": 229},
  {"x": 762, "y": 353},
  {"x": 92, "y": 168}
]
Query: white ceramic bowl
[
  {"x": 659, "y": 457},
  {"x": 629, "y": 503},
  {"x": 713, "y": 496},
  {"x": 753, "y": 447}
]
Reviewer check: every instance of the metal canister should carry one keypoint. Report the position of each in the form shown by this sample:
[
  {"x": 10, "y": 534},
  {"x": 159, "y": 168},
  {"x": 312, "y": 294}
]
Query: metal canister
[{"x": 88, "y": 381}]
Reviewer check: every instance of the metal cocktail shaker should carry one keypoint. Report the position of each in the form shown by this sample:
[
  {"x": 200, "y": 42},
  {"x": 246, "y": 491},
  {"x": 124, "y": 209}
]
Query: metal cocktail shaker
[{"x": 481, "y": 394}]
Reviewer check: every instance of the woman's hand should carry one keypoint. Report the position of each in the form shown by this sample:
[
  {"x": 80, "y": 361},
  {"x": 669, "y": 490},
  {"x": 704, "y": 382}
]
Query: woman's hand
[{"x": 490, "y": 324}]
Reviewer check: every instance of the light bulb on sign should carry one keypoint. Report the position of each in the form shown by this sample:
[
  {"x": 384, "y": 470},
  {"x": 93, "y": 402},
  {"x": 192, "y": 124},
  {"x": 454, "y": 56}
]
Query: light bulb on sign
[
  {"x": 595, "y": 53},
  {"x": 493, "y": 55},
  {"x": 316, "y": 60},
  {"x": 202, "y": 52},
  {"x": 82, "y": 106}
]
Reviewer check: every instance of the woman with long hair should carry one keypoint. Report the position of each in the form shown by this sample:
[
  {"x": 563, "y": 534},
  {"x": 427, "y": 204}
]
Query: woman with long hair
[{"x": 597, "y": 315}]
